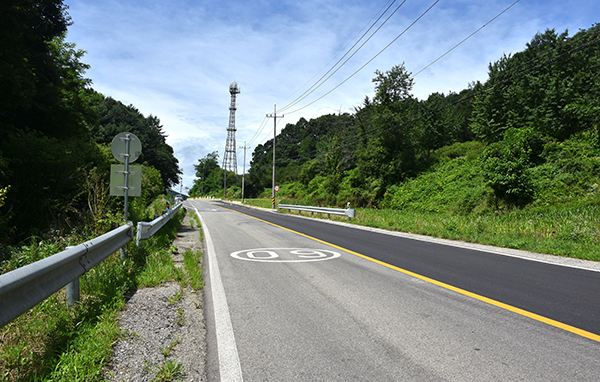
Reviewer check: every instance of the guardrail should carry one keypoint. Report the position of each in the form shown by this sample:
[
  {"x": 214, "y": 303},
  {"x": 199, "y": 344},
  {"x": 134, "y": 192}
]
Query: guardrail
[
  {"x": 146, "y": 230},
  {"x": 350, "y": 212},
  {"x": 24, "y": 288}
]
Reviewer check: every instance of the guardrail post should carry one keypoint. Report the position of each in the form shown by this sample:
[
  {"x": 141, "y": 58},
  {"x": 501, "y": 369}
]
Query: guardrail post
[{"x": 73, "y": 292}]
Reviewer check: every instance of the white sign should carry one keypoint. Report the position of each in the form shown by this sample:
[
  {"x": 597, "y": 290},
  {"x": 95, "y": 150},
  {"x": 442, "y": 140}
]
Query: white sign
[
  {"x": 276, "y": 188},
  {"x": 285, "y": 255},
  {"x": 117, "y": 180},
  {"x": 118, "y": 145}
]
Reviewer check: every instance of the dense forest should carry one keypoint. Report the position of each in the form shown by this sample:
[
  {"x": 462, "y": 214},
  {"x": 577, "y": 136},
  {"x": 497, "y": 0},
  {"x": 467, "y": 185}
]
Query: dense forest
[
  {"x": 527, "y": 136},
  {"x": 55, "y": 130}
]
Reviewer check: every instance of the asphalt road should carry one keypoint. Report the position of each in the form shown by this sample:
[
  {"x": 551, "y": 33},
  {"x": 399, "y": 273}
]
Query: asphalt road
[{"x": 294, "y": 308}]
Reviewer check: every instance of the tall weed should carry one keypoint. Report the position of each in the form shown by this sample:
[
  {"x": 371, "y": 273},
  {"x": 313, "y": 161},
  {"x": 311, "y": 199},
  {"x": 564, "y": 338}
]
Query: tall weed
[{"x": 54, "y": 342}]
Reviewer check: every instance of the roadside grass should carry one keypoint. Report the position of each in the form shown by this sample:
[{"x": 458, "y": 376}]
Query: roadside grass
[
  {"x": 194, "y": 218},
  {"x": 262, "y": 202},
  {"x": 54, "y": 342},
  {"x": 194, "y": 276},
  {"x": 571, "y": 232},
  {"x": 168, "y": 371}
]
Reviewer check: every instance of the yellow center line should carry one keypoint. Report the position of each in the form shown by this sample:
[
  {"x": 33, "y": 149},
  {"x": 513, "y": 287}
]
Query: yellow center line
[{"x": 522, "y": 312}]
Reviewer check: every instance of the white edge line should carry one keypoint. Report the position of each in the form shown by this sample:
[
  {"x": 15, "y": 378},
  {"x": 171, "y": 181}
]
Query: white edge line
[{"x": 229, "y": 361}]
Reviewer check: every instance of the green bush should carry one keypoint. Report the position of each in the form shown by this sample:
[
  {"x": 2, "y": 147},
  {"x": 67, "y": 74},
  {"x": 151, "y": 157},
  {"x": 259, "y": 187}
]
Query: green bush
[{"x": 54, "y": 342}]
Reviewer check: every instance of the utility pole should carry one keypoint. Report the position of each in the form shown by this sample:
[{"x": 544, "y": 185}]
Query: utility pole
[
  {"x": 202, "y": 188},
  {"x": 274, "y": 116},
  {"x": 244, "y": 171}
]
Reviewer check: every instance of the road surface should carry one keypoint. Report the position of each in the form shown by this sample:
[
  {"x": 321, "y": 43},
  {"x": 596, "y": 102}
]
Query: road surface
[{"x": 305, "y": 300}]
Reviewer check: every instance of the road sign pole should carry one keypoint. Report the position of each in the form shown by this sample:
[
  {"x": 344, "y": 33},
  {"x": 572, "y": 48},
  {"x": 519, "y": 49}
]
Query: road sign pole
[
  {"x": 131, "y": 143},
  {"x": 126, "y": 187}
]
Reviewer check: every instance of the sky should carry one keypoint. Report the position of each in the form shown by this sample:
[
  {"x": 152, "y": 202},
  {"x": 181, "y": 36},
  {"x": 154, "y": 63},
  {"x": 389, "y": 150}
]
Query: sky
[{"x": 176, "y": 59}]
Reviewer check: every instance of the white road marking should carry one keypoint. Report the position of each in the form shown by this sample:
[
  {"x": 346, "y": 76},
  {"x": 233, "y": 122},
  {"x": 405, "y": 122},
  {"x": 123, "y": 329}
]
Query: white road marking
[
  {"x": 229, "y": 361},
  {"x": 285, "y": 255}
]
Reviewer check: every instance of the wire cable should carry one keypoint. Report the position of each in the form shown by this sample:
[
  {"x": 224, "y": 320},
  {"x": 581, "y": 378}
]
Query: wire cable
[
  {"x": 341, "y": 50},
  {"x": 266, "y": 138},
  {"x": 317, "y": 85},
  {"x": 259, "y": 130},
  {"x": 368, "y": 62},
  {"x": 261, "y": 127},
  {"x": 468, "y": 37}
]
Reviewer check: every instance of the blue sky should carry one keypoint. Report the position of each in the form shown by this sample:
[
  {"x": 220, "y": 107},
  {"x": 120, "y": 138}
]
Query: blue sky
[{"x": 176, "y": 59}]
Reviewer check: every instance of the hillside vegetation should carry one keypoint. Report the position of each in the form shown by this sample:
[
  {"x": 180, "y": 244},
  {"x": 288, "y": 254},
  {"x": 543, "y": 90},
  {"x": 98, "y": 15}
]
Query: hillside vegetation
[
  {"x": 523, "y": 144},
  {"x": 55, "y": 133}
]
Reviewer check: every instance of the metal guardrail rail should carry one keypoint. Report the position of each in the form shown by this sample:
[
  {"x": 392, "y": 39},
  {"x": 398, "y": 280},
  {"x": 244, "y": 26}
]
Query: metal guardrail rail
[
  {"x": 146, "y": 230},
  {"x": 24, "y": 288},
  {"x": 350, "y": 212}
]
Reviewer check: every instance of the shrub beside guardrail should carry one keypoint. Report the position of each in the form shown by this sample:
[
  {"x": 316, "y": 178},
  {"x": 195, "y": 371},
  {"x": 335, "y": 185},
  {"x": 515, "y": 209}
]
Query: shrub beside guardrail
[
  {"x": 24, "y": 288},
  {"x": 146, "y": 230}
]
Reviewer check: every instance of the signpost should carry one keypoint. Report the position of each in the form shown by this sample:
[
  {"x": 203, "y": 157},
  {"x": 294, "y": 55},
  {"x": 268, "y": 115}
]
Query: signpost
[
  {"x": 275, "y": 190},
  {"x": 126, "y": 148},
  {"x": 125, "y": 180}
]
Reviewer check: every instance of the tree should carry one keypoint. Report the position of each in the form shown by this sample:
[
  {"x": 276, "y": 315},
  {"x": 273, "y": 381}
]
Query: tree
[
  {"x": 533, "y": 87},
  {"x": 205, "y": 169},
  {"x": 114, "y": 117},
  {"x": 45, "y": 148},
  {"x": 506, "y": 165},
  {"x": 393, "y": 86},
  {"x": 29, "y": 78}
]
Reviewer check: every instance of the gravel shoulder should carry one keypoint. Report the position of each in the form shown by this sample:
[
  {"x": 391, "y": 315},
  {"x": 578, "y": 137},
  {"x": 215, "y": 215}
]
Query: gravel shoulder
[{"x": 154, "y": 327}]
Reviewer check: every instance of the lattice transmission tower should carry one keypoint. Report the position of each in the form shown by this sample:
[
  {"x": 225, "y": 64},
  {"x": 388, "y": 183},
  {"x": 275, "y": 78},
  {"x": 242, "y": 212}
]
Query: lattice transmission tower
[{"x": 230, "y": 160}]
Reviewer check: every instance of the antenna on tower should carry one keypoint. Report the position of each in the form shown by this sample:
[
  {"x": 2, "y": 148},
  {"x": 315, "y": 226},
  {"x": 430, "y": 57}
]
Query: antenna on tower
[{"x": 230, "y": 160}]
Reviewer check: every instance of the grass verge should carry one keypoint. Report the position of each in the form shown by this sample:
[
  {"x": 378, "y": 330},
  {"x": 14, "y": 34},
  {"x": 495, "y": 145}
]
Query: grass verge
[
  {"x": 57, "y": 343},
  {"x": 570, "y": 232}
]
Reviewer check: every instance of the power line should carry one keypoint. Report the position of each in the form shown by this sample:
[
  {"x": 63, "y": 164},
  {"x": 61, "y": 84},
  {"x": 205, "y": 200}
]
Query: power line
[
  {"x": 259, "y": 130},
  {"x": 321, "y": 81},
  {"x": 468, "y": 37},
  {"x": 341, "y": 50},
  {"x": 433, "y": 62},
  {"x": 368, "y": 62},
  {"x": 269, "y": 133},
  {"x": 263, "y": 124}
]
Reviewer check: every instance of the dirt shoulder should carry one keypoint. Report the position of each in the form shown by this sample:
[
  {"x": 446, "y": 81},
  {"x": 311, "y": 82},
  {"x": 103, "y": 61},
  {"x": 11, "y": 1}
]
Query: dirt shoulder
[{"x": 161, "y": 335}]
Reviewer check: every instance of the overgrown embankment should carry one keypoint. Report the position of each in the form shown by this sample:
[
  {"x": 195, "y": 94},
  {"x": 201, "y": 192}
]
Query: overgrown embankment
[
  {"x": 54, "y": 342},
  {"x": 454, "y": 200}
]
